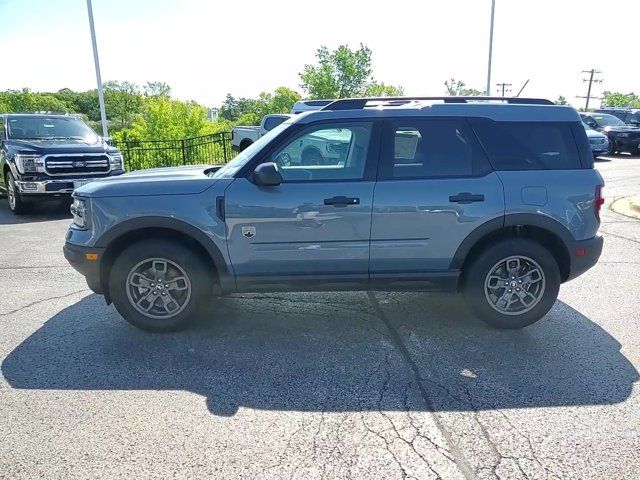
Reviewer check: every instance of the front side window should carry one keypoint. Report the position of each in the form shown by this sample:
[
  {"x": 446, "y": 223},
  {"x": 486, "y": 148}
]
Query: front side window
[
  {"x": 326, "y": 152},
  {"x": 431, "y": 149},
  {"x": 528, "y": 145},
  {"x": 49, "y": 128}
]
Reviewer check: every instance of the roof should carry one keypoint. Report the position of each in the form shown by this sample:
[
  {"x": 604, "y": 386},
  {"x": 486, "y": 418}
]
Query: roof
[
  {"x": 495, "y": 108},
  {"x": 26, "y": 115}
]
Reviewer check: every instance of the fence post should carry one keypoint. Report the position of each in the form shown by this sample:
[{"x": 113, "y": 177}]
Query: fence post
[
  {"x": 184, "y": 151},
  {"x": 224, "y": 146}
]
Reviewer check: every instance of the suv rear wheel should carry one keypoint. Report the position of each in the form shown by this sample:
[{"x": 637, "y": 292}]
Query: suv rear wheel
[
  {"x": 159, "y": 285},
  {"x": 513, "y": 283}
]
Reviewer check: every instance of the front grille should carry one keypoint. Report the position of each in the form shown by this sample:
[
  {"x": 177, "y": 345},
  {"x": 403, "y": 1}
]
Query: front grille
[{"x": 76, "y": 164}]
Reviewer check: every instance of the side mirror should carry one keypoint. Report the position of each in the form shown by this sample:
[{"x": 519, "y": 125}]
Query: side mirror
[
  {"x": 108, "y": 140},
  {"x": 267, "y": 175}
]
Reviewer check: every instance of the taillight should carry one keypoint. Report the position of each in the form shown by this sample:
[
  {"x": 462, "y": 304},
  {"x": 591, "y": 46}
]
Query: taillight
[{"x": 598, "y": 202}]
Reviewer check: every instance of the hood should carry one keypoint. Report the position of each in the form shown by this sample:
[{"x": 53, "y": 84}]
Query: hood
[
  {"x": 60, "y": 146},
  {"x": 621, "y": 128},
  {"x": 593, "y": 134},
  {"x": 187, "y": 180}
]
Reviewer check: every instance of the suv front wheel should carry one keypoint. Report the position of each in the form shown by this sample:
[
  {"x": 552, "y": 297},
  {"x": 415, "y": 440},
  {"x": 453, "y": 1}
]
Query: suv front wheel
[
  {"x": 513, "y": 283},
  {"x": 159, "y": 285},
  {"x": 16, "y": 204}
]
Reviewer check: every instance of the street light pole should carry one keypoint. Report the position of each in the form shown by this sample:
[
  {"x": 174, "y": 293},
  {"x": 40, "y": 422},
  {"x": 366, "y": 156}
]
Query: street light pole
[
  {"x": 103, "y": 114},
  {"x": 493, "y": 8}
]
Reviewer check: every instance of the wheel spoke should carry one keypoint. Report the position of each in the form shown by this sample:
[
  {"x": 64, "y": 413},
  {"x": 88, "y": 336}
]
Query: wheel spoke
[
  {"x": 513, "y": 266},
  {"x": 178, "y": 283},
  {"x": 496, "y": 281},
  {"x": 532, "y": 276},
  {"x": 169, "y": 303},
  {"x": 524, "y": 295},
  {"x": 160, "y": 267},
  {"x": 141, "y": 281},
  {"x": 146, "y": 303}
]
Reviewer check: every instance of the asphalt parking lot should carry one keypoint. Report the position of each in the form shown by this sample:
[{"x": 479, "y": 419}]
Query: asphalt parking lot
[{"x": 349, "y": 385}]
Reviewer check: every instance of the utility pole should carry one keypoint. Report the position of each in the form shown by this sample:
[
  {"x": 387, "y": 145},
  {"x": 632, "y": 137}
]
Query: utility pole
[
  {"x": 493, "y": 9},
  {"x": 504, "y": 88},
  {"x": 103, "y": 114},
  {"x": 591, "y": 81}
]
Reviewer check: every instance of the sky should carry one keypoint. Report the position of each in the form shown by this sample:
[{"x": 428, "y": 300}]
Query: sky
[{"x": 206, "y": 49}]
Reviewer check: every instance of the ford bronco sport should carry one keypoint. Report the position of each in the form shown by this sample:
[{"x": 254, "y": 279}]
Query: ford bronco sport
[
  {"x": 494, "y": 198},
  {"x": 44, "y": 157}
]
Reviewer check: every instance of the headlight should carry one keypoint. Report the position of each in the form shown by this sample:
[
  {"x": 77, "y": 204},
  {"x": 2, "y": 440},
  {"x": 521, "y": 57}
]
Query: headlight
[
  {"x": 28, "y": 163},
  {"x": 623, "y": 134},
  {"x": 80, "y": 212},
  {"x": 116, "y": 162}
]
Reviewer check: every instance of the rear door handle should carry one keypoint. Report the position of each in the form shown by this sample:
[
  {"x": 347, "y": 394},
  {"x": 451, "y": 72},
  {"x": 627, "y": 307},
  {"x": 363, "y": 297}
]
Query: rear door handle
[
  {"x": 466, "y": 197},
  {"x": 341, "y": 201}
]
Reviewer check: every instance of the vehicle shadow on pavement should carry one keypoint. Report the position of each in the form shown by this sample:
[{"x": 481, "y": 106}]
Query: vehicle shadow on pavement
[
  {"x": 39, "y": 213},
  {"x": 331, "y": 352}
]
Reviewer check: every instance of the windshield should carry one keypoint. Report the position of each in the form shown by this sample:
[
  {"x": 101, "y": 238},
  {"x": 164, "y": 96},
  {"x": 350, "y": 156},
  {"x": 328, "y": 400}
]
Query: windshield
[
  {"x": 231, "y": 168},
  {"x": 50, "y": 128},
  {"x": 605, "y": 120}
]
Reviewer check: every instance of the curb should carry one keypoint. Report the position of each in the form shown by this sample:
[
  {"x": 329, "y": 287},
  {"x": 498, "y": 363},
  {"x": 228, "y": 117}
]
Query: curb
[{"x": 628, "y": 206}]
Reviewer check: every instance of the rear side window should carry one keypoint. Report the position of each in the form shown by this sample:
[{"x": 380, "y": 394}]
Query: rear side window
[
  {"x": 433, "y": 148},
  {"x": 528, "y": 145},
  {"x": 272, "y": 122}
]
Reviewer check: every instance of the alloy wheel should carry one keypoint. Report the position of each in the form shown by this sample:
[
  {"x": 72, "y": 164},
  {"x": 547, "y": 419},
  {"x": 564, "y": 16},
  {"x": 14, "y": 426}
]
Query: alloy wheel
[
  {"x": 158, "y": 288},
  {"x": 514, "y": 285}
]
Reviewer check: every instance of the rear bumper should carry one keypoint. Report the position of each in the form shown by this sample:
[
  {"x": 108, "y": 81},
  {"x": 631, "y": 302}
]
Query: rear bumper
[
  {"x": 76, "y": 255},
  {"x": 584, "y": 254}
]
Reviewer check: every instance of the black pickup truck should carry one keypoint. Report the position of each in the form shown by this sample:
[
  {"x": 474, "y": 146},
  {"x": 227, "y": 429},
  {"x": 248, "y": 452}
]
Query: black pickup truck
[{"x": 44, "y": 157}]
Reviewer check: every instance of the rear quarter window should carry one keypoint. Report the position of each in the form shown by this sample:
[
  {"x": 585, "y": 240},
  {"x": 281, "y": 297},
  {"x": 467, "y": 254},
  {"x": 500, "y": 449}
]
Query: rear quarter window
[{"x": 528, "y": 145}]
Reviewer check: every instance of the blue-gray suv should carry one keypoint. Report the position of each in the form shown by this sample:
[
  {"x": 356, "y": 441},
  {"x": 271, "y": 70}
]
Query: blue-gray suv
[{"x": 494, "y": 198}]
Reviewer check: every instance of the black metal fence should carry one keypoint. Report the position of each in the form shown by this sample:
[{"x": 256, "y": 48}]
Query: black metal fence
[{"x": 205, "y": 149}]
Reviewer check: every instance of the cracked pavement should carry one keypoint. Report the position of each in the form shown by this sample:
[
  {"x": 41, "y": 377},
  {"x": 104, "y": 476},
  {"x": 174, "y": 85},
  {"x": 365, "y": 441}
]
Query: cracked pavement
[{"x": 319, "y": 385}]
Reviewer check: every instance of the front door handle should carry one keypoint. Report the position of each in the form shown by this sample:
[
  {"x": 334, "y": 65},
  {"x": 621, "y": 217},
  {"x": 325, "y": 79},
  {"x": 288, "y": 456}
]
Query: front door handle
[
  {"x": 466, "y": 197},
  {"x": 341, "y": 201}
]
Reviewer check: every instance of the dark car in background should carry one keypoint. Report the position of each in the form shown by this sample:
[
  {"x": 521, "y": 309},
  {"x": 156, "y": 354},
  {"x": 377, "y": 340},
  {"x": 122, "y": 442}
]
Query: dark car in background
[
  {"x": 630, "y": 116},
  {"x": 45, "y": 157},
  {"x": 622, "y": 137}
]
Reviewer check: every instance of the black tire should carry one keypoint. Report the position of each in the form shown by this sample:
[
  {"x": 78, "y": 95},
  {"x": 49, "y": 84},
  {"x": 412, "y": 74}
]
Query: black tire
[
  {"x": 245, "y": 144},
  {"x": 476, "y": 274},
  {"x": 16, "y": 204},
  {"x": 143, "y": 252}
]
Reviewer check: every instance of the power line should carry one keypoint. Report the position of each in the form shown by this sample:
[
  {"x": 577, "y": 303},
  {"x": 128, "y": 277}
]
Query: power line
[
  {"x": 504, "y": 88},
  {"x": 591, "y": 81}
]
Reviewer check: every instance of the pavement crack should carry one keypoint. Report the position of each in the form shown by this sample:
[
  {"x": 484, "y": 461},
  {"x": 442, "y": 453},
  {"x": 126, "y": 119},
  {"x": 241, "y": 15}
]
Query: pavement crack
[
  {"x": 42, "y": 301},
  {"x": 620, "y": 236},
  {"x": 460, "y": 462}
]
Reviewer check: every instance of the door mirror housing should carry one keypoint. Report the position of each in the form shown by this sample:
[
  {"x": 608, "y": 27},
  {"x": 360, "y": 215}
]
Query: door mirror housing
[{"x": 267, "y": 175}]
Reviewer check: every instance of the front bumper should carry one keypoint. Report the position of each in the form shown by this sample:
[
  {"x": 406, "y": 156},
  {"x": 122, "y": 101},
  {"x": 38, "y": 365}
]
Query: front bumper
[
  {"x": 49, "y": 187},
  {"x": 584, "y": 254},
  {"x": 85, "y": 260}
]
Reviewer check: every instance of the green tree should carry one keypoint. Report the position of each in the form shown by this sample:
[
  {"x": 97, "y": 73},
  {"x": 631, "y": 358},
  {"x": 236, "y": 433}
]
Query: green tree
[
  {"x": 249, "y": 111},
  {"x": 457, "y": 88},
  {"x": 340, "y": 73},
  {"x": 617, "y": 99},
  {"x": 157, "y": 89},
  {"x": 233, "y": 108},
  {"x": 561, "y": 100},
  {"x": 383, "y": 90},
  {"x": 164, "y": 118},
  {"x": 25, "y": 100},
  {"x": 122, "y": 102}
]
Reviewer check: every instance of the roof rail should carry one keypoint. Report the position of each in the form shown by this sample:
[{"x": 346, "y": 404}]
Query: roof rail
[{"x": 359, "y": 103}]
